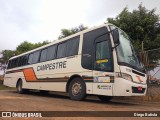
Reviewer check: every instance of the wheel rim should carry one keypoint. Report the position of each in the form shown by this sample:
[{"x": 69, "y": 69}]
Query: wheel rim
[{"x": 76, "y": 88}]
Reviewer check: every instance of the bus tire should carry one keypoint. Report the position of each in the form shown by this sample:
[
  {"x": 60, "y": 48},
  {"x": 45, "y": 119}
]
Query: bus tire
[
  {"x": 105, "y": 98},
  {"x": 20, "y": 90},
  {"x": 77, "y": 89},
  {"x": 44, "y": 92}
]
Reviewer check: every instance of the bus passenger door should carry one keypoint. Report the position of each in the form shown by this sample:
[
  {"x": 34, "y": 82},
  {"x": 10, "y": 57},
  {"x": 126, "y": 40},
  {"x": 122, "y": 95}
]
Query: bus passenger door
[{"x": 102, "y": 66}]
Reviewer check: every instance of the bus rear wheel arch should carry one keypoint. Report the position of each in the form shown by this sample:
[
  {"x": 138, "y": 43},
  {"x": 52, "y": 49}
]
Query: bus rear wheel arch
[{"x": 77, "y": 89}]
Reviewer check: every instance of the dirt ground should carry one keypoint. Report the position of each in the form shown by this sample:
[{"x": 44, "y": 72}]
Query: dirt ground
[{"x": 10, "y": 100}]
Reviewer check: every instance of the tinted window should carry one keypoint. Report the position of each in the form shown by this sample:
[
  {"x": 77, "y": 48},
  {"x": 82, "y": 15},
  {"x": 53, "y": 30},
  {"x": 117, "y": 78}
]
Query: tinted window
[
  {"x": 25, "y": 59},
  {"x": 9, "y": 64},
  {"x": 61, "y": 50},
  {"x": 72, "y": 46},
  {"x": 51, "y": 52},
  {"x": 103, "y": 61},
  {"x": 20, "y": 61},
  {"x": 15, "y": 63},
  {"x": 30, "y": 58},
  {"x": 102, "y": 50},
  {"x": 35, "y": 57},
  {"x": 88, "y": 49},
  {"x": 43, "y": 55},
  {"x": 12, "y": 64}
]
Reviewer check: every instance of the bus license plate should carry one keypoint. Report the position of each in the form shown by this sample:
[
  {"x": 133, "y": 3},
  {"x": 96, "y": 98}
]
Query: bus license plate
[{"x": 139, "y": 88}]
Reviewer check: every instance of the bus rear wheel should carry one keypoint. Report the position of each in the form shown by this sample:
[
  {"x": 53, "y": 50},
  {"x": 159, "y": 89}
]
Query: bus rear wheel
[
  {"x": 19, "y": 87},
  {"x": 77, "y": 89},
  {"x": 105, "y": 98}
]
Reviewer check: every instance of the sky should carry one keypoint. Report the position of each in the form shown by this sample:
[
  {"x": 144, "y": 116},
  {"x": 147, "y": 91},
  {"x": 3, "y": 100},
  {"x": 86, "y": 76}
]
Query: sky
[{"x": 39, "y": 20}]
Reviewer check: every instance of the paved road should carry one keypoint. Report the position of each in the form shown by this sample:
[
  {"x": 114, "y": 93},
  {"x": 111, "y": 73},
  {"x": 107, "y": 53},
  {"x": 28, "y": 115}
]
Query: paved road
[{"x": 10, "y": 100}]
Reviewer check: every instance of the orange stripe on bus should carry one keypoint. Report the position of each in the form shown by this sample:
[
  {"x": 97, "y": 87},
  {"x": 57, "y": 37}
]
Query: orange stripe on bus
[{"x": 29, "y": 74}]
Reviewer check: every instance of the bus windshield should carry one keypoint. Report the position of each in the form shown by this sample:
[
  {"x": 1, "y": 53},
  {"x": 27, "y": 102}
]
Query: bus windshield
[{"x": 126, "y": 52}]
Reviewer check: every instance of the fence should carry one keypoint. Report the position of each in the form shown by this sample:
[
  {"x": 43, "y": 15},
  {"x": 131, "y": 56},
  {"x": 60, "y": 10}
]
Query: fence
[{"x": 151, "y": 60}]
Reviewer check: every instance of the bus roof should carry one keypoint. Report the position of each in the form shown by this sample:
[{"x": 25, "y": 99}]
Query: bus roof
[{"x": 61, "y": 40}]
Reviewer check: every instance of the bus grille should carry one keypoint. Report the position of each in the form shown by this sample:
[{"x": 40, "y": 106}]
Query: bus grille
[{"x": 136, "y": 90}]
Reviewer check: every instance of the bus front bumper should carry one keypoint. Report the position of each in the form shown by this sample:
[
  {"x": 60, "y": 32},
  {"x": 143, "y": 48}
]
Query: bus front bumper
[{"x": 124, "y": 87}]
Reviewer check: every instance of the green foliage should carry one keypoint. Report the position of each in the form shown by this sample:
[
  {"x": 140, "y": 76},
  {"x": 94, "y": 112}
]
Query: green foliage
[
  {"x": 154, "y": 59},
  {"x": 2, "y": 87},
  {"x": 68, "y": 32},
  {"x": 140, "y": 26},
  {"x": 4, "y": 56},
  {"x": 27, "y": 46},
  {"x": 39, "y": 44},
  {"x": 23, "y": 47}
]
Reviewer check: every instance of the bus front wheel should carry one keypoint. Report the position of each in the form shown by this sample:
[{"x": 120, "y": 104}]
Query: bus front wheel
[
  {"x": 77, "y": 89},
  {"x": 44, "y": 92},
  {"x": 105, "y": 98}
]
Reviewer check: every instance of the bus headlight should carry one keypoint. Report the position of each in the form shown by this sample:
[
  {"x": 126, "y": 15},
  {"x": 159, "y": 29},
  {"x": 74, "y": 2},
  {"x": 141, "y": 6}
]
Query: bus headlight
[{"x": 125, "y": 76}]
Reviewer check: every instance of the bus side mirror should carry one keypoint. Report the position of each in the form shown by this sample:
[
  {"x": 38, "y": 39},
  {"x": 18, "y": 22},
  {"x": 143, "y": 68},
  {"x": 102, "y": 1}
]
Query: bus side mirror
[{"x": 115, "y": 34}]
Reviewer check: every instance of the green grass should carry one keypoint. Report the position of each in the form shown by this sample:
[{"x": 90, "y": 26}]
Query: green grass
[{"x": 2, "y": 87}]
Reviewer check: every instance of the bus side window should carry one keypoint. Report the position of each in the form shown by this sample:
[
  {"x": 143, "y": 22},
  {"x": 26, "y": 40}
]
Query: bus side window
[
  {"x": 19, "y": 59},
  {"x": 61, "y": 50},
  {"x": 43, "y": 55},
  {"x": 51, "y": 52},
  {"x": 22, "y": 60},
  {"x": 30, "y": 58},
  {"x": 72, "y": 46},
  {"x": 35, "y": 58},
  {"x": 25, "y": 60},
  {"x": 15, "y": 62},
  {"x": 9, "y": 64}
]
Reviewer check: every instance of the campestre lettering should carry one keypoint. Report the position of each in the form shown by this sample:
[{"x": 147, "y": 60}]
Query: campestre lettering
[{"x": 52, "y": 66}]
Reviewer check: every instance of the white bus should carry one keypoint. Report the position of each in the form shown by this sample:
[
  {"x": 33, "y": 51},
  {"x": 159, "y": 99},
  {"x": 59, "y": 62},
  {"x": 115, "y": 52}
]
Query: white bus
[{"x": 99, "y": 61}]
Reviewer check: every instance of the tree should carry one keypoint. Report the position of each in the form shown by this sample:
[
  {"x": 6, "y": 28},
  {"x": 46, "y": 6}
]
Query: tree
[
  {"x": 39, "y": 44},
  {"x": 141, "y": 25},
  {"x": 24, "y": 47},
  {"x": 27, "y": 46},
  {"x": 68, "y": 32},
  {"x": 5, "y": 55}
]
